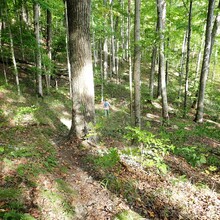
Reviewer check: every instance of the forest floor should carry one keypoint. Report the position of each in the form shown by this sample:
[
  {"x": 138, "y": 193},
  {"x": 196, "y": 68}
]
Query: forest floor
[{"x": 45, "y": 177}]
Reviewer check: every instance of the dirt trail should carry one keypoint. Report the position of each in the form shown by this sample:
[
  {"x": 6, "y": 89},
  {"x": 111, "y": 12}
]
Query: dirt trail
[{"x": 93, "y": 201}]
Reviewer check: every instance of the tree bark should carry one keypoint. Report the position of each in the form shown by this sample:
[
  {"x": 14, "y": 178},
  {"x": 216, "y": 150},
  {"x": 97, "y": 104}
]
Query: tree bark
[
  {"x": 49, "y": 51},
  {"x": 214, "y": 30},
  {"x": 1, "y": 51},
  {"x": 153, "y": 65},
  {"x": 182, "y": 61},
  {"x": 205, "y": 64},
  {"x": 161, "y": 9},
  {"x": 129, "y": 57},
  {"x": 38, "y": 54},
  {"x": 12, "y": 50},
  {"x": 137, "y": 62},
  {"x": 67, "y": 51},
  {"x": 187, "y": 60},
  {"x": 83, "y": 108}
]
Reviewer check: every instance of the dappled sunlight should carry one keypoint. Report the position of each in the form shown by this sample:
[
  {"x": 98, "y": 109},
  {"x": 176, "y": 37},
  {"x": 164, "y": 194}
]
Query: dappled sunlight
[
  {"x": 156, "y": 105},
  {"x": 53, "y": 202},
  {"x": 153, "y": 117},
  {"x": 212, "y": 122},
  {"x": 67, "y": 122}
]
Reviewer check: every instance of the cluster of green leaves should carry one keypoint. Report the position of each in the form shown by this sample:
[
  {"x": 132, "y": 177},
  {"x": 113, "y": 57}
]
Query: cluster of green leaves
[
  {"x": 197, "y": 154},
  {"x": 150, "y": 150},
  {"x": 108, "y": 160},
  {"x": 15, "y": 205}
]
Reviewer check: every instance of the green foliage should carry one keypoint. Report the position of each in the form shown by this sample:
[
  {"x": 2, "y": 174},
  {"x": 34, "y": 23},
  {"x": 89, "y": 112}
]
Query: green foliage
[
  {"x": 128, "y": 215},
  {"x": 198, "y": 155},
  {"x": 207, "y": 130},
  {"x": 9, "y": 194},
  {"x": 50, "y": 162},
  {"x": 108, "y": 160},
  {"x": 192, "y": 155},
  {"x": 63, "y": 186},
  {"x": 150, "y": 150}
]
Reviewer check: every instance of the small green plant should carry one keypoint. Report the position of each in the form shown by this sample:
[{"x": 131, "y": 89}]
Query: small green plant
[
  {"x": 63, "y": 186},
  {"x": 194, "y": 155},
  {"x": 50, "y": 162},
  {"x": 108, "y": 160},
  {"x": 150, "y": 150}
]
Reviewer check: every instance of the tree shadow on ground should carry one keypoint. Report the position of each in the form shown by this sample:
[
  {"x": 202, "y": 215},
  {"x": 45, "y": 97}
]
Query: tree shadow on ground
[{"x": 119, "y": 181}]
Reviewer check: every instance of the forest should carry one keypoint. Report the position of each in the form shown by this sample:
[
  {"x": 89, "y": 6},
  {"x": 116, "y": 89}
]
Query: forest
[{"x": 109, "y": 109}]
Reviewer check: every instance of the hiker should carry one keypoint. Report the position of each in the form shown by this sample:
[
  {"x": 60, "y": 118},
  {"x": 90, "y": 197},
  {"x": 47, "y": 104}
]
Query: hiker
[{"x": 106, "y": 106}]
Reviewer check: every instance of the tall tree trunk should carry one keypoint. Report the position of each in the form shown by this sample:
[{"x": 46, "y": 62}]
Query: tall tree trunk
[
  {"x": 38, "y": 55},
  {"x": 215, "y": 64},
  {"x": 101, "y": 72},
  {"x": 1, "y": 51},
  {"x": 137, "y": 63},
  {"x": 199, "y": 56},
  {"x": 182, "y": 61},
  {"x": 215, "y": 29},
  {"x": 187, "y": 60},
  {"x": 83, "y": 107},
  {"x": 153, "y": 65},
  {"x": 49, "y": 51},
  {"x": 67, "y": 51},
  {"x": 161, "y": 9},
  {"x": 129, "y": 57},
  {"x": 20, "y": 34},
  {"x": 205, "y": 64},
  {"x": 113, "y": 70},
  {"x": 13, "y": 51}
]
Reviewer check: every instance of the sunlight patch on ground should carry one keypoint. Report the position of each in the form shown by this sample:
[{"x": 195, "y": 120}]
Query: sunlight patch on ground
[
  {"x": 213, "y": 122},
  {"x": 156, "y": 105},
  {"x": 153, "y": 117},
  {"x": 67, "y": 122}
]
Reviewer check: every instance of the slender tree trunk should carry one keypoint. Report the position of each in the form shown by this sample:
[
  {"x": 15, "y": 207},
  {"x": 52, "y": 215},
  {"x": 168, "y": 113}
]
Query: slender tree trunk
[
  {"x": 182, "y": 61},
  {"x": 215, "y": 64},
  {"x": 129, "y": 57},
  {"x": 200, "y": 56},
  {"x": 137, "y": 63},
  {"x": 2, "y": 55},
  {"x": 67, "y": 51},
  {"x": 152, "y": 71},
  {"x": 101, "y": 72},
  {"x": 49, "y": 51},
  {"x": 113, "y": 70},
  {"x": 38, "y": 56},
  {"x": 214, "y": 30},
  {"x": 105, "y": 51},
  {"x": 153, "y": 65},
  {"x": 24, "y": 12},
  {"x": 159, "y": 87},
  {"x": 20, "y": 34},
  {"x": 205, "y": 64},
  {"x": 161, "y": 9},
  {"x": 83, "y": 106},
  {"x": 187, "y": 61},
  {"x": 13, "y": 52}
]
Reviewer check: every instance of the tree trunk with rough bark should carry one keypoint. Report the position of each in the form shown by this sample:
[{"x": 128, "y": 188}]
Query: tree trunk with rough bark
[
  {"x": 83, "y": 107},
  {"x": 137, "y": 62},
  {"x": 205, "y": 64},
  {"x": 38, "y": 53},
  {"x": 187, "y": 61},
  {"x": 161, "y": 9}
]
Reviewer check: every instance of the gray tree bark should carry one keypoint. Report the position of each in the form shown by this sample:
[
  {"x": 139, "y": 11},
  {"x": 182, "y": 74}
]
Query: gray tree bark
[
  {"x": 38, "y": 53},
  {"x": 137, "y": 62},
  {"x": 161, "y": 9},
  {"x": 187, "y": 60},
  {"x": 83, "y": 107},
  {"x": 205, "y": 64}
]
